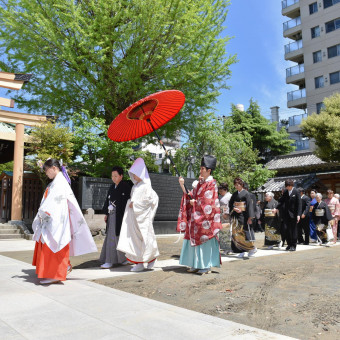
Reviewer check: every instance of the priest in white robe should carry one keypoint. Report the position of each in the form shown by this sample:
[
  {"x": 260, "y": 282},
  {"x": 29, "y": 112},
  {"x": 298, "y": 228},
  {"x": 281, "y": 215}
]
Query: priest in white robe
[{"x": 137, "y": 237}]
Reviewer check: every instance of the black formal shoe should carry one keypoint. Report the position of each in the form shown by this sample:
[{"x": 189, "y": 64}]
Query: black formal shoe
[
  {"x": 301, "y": 242},
  {"x": 292, "y": 249},
  {"x": 306, "y": 244},
  {"x": 288, "y": 248}
]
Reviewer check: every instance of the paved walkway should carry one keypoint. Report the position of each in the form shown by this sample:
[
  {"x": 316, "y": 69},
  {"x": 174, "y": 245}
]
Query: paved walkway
[{"x": 80, "y": 309}]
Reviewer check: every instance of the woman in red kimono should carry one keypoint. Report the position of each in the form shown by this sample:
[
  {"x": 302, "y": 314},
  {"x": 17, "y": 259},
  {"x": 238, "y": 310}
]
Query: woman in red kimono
[{"x": 199, "y": 218}]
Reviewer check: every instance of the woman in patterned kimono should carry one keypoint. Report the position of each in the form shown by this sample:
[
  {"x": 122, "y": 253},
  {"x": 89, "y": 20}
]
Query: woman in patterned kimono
[
  {"x": 334, "y": 207},
  {"x": 313, "y": 237},
  {"x": 321, "y": 216},
  {"x": 242, "y": 213},
  {"x": 225, "y": 233},
  {"x": 199, "y": 218},
  {"x": 60, "y": 230},
  {"x": 271, "y": 222}
]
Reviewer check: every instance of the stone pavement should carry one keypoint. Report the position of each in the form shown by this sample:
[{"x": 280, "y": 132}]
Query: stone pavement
[{"x": 80, "y": 309}]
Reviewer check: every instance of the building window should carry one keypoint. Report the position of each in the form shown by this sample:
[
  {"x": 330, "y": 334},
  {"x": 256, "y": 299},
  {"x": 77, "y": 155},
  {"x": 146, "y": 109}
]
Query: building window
[
  {"x": 160, "y": 156},
  {"x": 318, "y": 82},
  {"x": 332, "y": 25},
  {"x": 333, "y": 51},
  {"x": 319, "y": 106},
  {"x": 315, "y": 32},
  {"x": 334, "y": 77},
  {"x": 317, "y": 57},
  {"x": 329, "y": 3},
  {"x": 313, "y": 8}
]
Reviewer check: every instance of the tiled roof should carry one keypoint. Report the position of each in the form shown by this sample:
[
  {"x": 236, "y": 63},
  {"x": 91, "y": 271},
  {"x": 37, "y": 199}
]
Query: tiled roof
[
  {"x": 293, "y": 161},
  {"x": 4, "y": 127},
  {"x": 10, "y": 128},
  {"x": 277, "y": 183}
]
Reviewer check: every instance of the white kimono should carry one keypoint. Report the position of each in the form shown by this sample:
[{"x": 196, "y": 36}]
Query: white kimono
[
  {"x": 137, "y": 237},
  {"x": 59, "y": 220}
]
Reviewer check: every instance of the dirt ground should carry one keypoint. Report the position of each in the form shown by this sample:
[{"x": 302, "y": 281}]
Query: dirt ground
[{"x": 295, "y": 294}]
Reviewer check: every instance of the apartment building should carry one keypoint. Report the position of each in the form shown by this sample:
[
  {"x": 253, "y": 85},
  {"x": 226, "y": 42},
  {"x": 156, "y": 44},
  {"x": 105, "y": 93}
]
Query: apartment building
[{"x": 314, "y": 30}]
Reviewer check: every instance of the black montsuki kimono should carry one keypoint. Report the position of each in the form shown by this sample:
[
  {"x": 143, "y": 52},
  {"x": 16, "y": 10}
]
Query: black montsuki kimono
[
  {"x": 271, "y": 224},
  {"x": 242, "y": 234},
  {"x": 119, "y": 196},
  {"x": 321, "y": 222}
]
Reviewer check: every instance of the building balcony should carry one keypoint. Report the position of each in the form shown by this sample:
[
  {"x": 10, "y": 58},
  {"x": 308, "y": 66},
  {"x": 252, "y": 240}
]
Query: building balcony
[
  {"x": 294, "y": 51},
  {"x": 295, "y": 74},
  {"x": 297, "y": 119},
  {"x": 290, "y": 8},
  {"x": 292, "y": 29},
  {"x": 301, "y": 145},
  {"x": 297, "y": 99},
  {"x": 294, "y": 123}
]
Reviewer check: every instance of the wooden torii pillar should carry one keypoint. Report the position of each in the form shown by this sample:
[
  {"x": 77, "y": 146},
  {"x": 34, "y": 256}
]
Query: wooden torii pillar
[{"x": 15, "y": 82}]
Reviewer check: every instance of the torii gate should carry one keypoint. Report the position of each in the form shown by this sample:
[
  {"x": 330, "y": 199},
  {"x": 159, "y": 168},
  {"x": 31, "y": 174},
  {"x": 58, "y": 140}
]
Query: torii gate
[{"x": 15, "y": 82}]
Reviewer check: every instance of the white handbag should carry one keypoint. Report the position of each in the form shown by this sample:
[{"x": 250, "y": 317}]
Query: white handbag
[{"x": 330, "y": 235}]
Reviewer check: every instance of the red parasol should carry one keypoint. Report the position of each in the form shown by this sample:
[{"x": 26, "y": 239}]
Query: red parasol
[{"x": 147, "y": 115}]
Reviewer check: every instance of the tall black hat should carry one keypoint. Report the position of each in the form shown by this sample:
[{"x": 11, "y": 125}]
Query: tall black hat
[{"x": 209, "y": 162}]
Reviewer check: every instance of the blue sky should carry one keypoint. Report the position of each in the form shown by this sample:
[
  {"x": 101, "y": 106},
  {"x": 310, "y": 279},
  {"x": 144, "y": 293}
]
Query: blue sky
[{"x": 256, "y": 28}]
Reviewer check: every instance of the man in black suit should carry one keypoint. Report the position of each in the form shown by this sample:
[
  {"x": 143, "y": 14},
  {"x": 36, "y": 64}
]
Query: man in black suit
[
  {"x": 291, "y": 201},
  {"x": 303, "y": 225}
]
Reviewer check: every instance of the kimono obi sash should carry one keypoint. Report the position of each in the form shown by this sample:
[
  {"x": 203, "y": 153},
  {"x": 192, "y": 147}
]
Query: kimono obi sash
[
  {"x": 240, "y": 205},
  {"x": 331, "y": 207},
  {"x": 319, "y": 212},
  {"x": 268, "y": 213}
]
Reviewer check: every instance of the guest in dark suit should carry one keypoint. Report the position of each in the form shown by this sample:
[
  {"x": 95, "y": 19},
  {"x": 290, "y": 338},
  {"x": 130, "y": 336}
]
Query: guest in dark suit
[
  {"x": 303, "y": 225},
  {"x": 291, "y": 200},
  {"x": 114, "y": 208},
  {"x": 283, "y": 228}
]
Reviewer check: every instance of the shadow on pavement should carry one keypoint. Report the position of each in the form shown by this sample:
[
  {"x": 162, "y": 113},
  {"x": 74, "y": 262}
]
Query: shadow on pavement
[{"x": 30, "y": 276}]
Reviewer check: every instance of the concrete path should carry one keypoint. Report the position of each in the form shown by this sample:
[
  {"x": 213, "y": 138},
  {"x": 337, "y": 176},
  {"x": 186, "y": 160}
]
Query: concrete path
[{"x": 80, "y": 309}]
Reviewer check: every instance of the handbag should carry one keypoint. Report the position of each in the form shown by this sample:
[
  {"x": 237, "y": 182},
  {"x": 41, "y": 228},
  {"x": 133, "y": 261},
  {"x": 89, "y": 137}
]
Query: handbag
[{"x": 330, "y": 235}]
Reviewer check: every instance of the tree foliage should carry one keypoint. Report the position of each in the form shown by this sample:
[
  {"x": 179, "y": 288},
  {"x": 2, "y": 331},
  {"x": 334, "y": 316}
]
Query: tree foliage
[
  {"x": 264, "y": 135},
  {"x": 6, "y": 167},
  {"x": 325, "y": 129},
  {"x": 233, "y": 150},
  {"x": 102, "y": 55},
  {"x": 49, "y": 140}
]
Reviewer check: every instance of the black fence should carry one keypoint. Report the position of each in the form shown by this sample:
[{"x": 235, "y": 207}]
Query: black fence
[{"x": 92, "y": 193}]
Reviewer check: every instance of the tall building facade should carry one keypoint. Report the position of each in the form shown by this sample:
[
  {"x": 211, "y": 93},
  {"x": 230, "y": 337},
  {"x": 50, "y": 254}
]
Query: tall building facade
[{"x": 314, "y": 30}]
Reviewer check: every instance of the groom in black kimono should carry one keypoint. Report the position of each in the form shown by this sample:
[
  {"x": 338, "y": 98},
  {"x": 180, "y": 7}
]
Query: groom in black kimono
[{"x": 291, "y": 202}]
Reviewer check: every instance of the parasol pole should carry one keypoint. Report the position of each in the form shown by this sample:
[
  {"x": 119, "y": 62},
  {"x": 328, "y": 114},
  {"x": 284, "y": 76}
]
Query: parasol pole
[{"x": 167, "y": 154}]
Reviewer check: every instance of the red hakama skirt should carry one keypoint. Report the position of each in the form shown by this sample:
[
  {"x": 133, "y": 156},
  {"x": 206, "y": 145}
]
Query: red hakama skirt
[{"x": 51, "y": 265}]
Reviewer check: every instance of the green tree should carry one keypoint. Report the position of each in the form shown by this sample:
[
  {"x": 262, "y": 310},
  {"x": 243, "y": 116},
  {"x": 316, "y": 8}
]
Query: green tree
[
  {"x": 6, "y": 167},
  {"x": 49, "y": 140},
  {"x": 234, "y": 153},
  {"x": 103, "y": 55},
  {"x": 325, "y": 129},
  {"x": 264, "y": 136}
]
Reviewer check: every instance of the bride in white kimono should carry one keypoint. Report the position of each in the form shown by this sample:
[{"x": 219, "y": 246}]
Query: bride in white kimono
[{"x": 137, "y": 237}]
